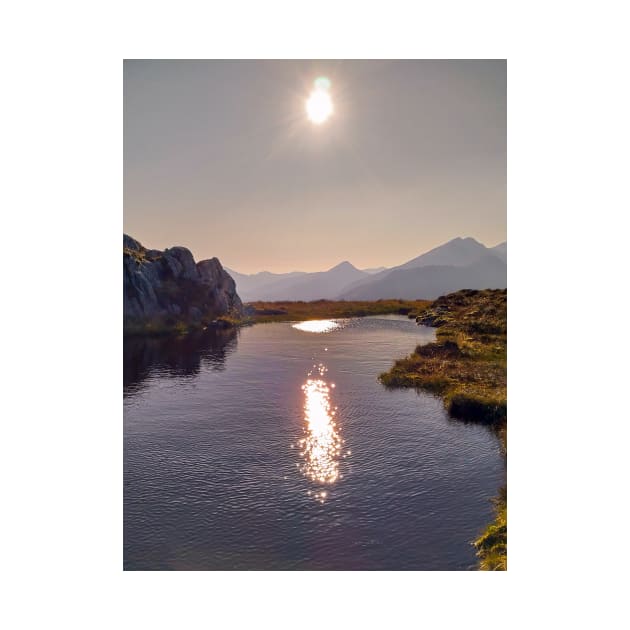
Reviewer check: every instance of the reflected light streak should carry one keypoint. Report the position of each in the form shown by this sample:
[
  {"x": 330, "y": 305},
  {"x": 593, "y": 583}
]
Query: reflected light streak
[{"x": 321, "y": 448}]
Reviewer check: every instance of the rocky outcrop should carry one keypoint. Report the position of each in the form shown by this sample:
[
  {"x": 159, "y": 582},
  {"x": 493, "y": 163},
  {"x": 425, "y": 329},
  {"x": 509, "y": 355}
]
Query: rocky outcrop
[{"x": 168, "y": 287}]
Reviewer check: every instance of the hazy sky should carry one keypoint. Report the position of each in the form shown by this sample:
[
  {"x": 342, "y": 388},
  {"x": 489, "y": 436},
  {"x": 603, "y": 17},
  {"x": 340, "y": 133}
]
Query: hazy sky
[{"x": 219, "y": 156}]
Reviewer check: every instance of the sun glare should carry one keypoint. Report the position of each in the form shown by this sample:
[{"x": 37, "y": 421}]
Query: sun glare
[
  {"x": 319, "y": 106},
  {"x": 317, "y": 326}
]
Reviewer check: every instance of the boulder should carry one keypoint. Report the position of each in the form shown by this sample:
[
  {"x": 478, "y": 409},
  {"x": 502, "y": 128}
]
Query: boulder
[{"x": 162, "y": 286}]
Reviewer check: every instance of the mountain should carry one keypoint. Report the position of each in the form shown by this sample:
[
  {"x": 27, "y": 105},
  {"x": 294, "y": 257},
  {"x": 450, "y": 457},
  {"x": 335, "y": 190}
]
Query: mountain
[
  {"x": 500, "y": 250},
  {"x": 374, "y": 270},
  {"x": 461, "y": 263},
  {"x": 164, "y": 288},
  {"x": 257, "y": 285},
  {"x": 458, "y": 252},
  {"x": 429, "y": 282},
  {"x": 324, "y": 285},
  {"x": 297, "y": 285}
]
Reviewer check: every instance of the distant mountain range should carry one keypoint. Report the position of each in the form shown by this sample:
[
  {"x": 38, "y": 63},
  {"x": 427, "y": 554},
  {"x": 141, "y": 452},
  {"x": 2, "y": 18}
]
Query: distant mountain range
[
  {"x": 297, "y": 285},
  {"x": 462, "y": 263}
]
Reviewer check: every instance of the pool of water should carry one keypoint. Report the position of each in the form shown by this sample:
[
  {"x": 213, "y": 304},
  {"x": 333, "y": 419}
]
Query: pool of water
[{"x": 274, "y": 447}]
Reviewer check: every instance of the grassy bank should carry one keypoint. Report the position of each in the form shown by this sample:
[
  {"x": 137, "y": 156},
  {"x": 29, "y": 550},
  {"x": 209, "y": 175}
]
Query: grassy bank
[
  {"x": 491, "y": 546},
  {"x": 262, "y": 312},
  {"x": 467, "y": 368},
  {"x": 467, "y": 363}
]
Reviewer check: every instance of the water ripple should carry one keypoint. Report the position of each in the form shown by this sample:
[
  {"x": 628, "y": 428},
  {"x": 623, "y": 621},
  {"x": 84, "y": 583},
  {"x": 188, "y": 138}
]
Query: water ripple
[{"x": 211, "y": 483}]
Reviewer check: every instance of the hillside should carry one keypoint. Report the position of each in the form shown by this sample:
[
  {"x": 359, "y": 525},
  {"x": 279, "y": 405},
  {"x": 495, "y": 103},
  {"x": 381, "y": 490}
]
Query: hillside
[
  {"x": 429, "y": 282},
  {"x": 252, "y": 286},
  {"x": 458, "y": 252},
  {"x": 461, "y": 263},
  {"x": 500, "y": 250}
]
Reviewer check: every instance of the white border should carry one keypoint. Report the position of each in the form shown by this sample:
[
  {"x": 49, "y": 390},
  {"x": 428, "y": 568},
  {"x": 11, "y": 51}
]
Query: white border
[{"x": 62, "y": 201}]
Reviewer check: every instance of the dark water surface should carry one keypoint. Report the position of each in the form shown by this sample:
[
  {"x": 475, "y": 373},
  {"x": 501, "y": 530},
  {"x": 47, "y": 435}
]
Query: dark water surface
[{"x": 239, "y": 453}]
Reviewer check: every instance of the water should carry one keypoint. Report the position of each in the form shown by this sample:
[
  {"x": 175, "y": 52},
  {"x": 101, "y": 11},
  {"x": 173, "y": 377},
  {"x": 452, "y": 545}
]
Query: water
[{"x": 239, "y": 453}]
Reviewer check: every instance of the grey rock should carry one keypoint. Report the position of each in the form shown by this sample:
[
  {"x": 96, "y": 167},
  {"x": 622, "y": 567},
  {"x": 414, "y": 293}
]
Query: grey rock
[
  {"x": 167, "y": 284},
  {"x": 221, "y": 285}
]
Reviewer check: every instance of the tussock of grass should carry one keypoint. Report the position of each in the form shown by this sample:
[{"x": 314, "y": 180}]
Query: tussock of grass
[
  {"x": 476, "y": 408},
  {"x": 262, "y": 312},
  {"x": 467, "y": 364},
  {"x": 491, "y": 546}
]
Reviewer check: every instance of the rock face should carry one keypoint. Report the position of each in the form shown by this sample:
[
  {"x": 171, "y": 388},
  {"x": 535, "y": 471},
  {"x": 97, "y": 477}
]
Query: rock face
[{"x": 169, "y": 286}]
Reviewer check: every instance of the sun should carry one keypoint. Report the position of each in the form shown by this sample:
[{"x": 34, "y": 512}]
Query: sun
[{"x": 319, "y": 106}]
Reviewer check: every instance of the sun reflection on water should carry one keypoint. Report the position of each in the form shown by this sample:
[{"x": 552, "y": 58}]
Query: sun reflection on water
[
  {"x": 317, "y": 325},
  {"x": 321, "y": 448}
]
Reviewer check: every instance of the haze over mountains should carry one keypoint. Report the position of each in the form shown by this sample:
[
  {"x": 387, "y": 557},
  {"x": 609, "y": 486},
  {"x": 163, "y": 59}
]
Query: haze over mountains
[
  {"x": 462, "y": 263},
  {"x": 297, "y": 285}
]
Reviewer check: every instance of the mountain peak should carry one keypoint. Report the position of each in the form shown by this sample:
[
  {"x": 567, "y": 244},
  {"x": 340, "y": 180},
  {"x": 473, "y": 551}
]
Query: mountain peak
[
  {"x": 462, "y": 239},
  {"x": 344, "y": 266},
  {"x": 459, "y": 252}
]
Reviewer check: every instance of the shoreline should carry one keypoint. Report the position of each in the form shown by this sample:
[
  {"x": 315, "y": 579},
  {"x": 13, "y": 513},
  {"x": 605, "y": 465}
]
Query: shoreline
[
  {"x": 467, "y": 368},
  {"x": 267, "y": 312}
]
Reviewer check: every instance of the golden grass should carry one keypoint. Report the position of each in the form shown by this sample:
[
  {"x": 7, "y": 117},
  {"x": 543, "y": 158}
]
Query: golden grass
[
  {"x": 467, "y": 365},
  {"x": 492, "y": 544},
  {"x": 262, "y": 312}
]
